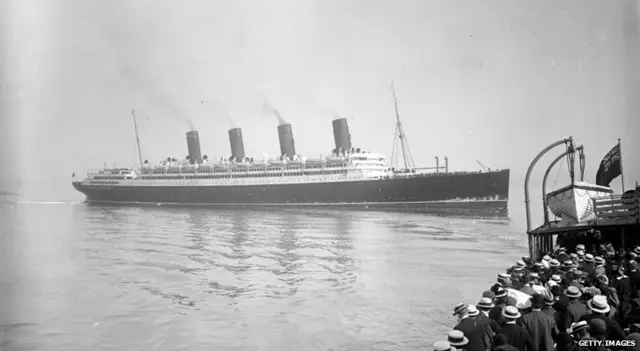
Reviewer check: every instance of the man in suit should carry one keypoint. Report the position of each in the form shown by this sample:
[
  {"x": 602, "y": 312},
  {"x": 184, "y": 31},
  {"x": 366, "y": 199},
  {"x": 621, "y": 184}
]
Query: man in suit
[
  {"x": 473, "y": 329},
  {"x": 575, "y": 308},
  {"x": 485, "y": 305},
  {"x": 501, "y": 303},
  {"x": 540, "y": 326},
  {"x": 518, "y": 336},
  {"x": 599, "y": 308}
]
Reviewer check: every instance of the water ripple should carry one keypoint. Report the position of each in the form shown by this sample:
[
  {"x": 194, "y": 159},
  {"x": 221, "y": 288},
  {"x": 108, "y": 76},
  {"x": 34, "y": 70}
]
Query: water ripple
[{"x": 192, "y": 279}]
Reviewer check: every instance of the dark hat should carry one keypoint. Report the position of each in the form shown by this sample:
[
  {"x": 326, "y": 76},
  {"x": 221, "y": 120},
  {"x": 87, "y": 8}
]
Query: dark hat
[
  {"x": 597, "y": 328},
  {"x": 490, "y": 294},
  {"x": 459, "y": 308},
  {"x": 512, "y": 301},
  {"x": 485, "y": 303},
  {"x": 511, "y": 312},
  {"x": 457, "y": 338},
  {"x": 537, "y": 301},
  {"x": 573, "y": 292}
]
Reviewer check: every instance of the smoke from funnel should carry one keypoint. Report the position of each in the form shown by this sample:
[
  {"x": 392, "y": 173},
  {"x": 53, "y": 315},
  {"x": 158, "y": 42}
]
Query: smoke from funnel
[
  {"x": 275, "y": 112},
  {"x": 122, "y": 30}
]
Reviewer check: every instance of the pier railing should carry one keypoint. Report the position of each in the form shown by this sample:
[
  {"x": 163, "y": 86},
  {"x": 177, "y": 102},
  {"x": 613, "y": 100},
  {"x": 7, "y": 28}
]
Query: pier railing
[{"x": 617, "y": 209}]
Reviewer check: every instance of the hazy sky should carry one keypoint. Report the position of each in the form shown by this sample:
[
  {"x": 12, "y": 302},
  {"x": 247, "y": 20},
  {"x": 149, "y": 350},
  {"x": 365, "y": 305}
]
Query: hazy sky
[{"x": 494, "y": 81}]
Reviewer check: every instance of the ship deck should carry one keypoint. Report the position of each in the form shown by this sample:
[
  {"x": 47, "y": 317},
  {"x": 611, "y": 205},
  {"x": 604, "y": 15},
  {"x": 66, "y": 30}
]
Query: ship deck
[{"x": 614, "y": 215}]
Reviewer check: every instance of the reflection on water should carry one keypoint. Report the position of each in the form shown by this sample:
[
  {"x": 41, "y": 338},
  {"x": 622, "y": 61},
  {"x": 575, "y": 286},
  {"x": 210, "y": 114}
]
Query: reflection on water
[{"x": 165, "y": 279}]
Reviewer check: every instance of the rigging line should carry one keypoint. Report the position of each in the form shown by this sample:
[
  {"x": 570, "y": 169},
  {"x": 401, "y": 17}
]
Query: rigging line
[{"x": 555, "y": 183}]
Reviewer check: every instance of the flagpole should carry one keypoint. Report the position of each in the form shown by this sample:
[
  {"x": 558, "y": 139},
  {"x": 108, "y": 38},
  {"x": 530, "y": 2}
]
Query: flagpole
[{"x": 621, "y": 172}]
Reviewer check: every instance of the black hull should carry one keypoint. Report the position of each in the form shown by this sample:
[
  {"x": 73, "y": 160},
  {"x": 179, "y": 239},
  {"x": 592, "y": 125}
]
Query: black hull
[{"x": 457, "y": 194}]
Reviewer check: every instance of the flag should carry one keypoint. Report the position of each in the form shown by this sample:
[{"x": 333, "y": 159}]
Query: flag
[{"x": 610, "y": 167}]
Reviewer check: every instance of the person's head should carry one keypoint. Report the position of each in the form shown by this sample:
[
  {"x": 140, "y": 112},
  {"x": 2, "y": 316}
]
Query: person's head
[
  {"x": 599, "y": 305},
  {"x": 456, "y": 338},
  {"x": 573, "y": 293},
  {"x": 485, "y": 304},
  {"x": 579, "y": 330},
  {"x": 460, "y": 310},
  {"x": 597, "y": 328},
  {"x": 511, "y": 313},
  {"x": 537, "y": 301},
  {"x": 443, "y": 346}
]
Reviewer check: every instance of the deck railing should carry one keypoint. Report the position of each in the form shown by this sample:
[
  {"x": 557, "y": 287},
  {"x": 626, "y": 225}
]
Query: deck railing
[{"x": 617, "y": 209}]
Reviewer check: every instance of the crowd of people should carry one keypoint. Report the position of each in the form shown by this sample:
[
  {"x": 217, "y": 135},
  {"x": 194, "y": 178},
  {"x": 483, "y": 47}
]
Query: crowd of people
[{"x": 566, "y": 301}]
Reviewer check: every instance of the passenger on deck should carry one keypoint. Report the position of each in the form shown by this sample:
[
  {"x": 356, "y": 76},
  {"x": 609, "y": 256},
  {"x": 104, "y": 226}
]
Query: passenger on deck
[
  {"x": 517, "y": 335},
  {"x": 599, "y": 308},
  {"x": 575, "y": 308},
  {"x": 540, "y": 326}
]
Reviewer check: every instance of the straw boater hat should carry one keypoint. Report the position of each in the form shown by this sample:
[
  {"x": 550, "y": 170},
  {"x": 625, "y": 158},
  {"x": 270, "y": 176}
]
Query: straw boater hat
[
  {"x": 473, "y": 311},
  {"x": 576, "y": 327},
  {"x": 521, "y": 264},
  {"x": 573, "y": 292},
  {"x": 599, "y": 304},
  {"x": 546, "y": 258},
  {"x": 511, "y": 312},
  {"x": 443, "y": 346},
  {"x": 485, "y": 304},
  {"x": 580, "y": 247},
  {"x": 457, "y": 338},
  {"x": 573, "y": 256},
  {"x": 556, "y": 278},
  {"x": 459, "y": 308},
  {"x": 579, "y": 274},
  {"x": 588, "y": 258},
  {"x": 549, "y": 300},
  {"x": 503, "y": 276},
  {"x": 567, "y": 265},
  {"x": 599, "y": 260},
  {"x": 554, "y": 263},
  {"x": 561, "y": 249},
  {"x": 501, "y": 293}
]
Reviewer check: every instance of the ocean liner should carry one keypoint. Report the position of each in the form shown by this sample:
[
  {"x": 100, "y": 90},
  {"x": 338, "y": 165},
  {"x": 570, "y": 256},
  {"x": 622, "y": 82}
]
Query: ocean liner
[{"x": 348, "y": 178}]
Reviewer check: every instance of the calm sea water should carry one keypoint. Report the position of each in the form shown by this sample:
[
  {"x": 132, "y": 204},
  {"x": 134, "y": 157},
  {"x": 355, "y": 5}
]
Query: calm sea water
[{"x": 78, "y": 277}]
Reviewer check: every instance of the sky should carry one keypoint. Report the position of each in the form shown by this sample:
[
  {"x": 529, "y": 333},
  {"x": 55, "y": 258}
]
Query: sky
[{"x": 493, "y": 81}]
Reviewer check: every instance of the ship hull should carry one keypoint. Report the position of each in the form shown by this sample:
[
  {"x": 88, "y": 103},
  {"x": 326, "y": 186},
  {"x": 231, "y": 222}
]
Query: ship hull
[{"x": 464, "y": 194}]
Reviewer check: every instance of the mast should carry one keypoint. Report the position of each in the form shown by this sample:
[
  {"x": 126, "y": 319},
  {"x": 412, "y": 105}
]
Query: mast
[
  {"x": 401, "y": 137},
  {"x": 135, "y": 126}
]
